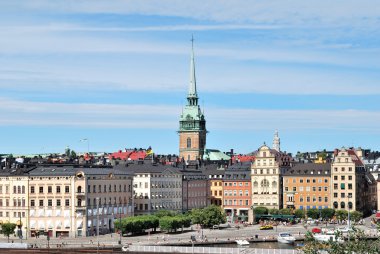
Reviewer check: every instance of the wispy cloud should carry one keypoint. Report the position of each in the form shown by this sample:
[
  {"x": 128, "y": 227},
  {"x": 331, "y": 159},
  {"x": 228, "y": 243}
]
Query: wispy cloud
[{"x": 142, "y": 116}]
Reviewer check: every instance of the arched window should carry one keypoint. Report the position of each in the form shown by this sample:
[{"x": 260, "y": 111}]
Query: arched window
[
  {"x": 265, "y": 183},
  {"x": 188, "y": 143},
  {"x": 274, "y": 184},
  {"x": 349, "y": 205},
  {"x": 79, "y": 190},
  {"x": 79, "y": 202},
  {"x": 19, "y": 189},
  {"x": 255, "y": 184},
  {"x": 23, "y": 189},
  {"x": 342, "y": 205},
  {"x": 335, "y": 205}
]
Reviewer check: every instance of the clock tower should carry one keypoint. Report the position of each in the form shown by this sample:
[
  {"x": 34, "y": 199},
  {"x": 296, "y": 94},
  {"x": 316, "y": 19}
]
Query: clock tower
[{"x": 192, "y": 123}]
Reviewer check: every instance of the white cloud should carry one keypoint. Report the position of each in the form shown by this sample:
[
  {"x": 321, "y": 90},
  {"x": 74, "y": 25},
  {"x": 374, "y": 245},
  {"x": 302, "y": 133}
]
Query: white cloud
[
  {"x": 27, "y": 113},
  {"x": 296, "y": 12}
]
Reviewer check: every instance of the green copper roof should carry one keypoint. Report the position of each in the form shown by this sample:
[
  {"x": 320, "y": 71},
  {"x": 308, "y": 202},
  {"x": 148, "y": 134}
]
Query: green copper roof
[{"x": 215, "y": 155}]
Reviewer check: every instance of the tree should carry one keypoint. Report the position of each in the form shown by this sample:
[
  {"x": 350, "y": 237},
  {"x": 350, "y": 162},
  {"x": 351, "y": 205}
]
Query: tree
[
  {"x": 341, "y": 214},
  {"x": 163, "y": 213},
  {"x": 208, "y": 216},
  {"x": 8, "y": 229},
  {"x": 327, "y": 213},
  {"x": 299, "y": 213},
  {"x": 285, "y": 211},
  {"x": 260, "y": 210},
  {"x": 313, "y": 213},
  {"x": 273, "y": 211},
  {"x": 73, "y": 154},
  {"x": 356, "y": 216}
]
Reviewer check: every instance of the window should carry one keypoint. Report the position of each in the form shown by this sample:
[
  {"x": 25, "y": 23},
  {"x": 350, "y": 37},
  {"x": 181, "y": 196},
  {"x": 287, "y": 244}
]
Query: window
[
  {"x": 67, "y": 189},
  {"x": 41, "y": 189},
  {"x": 319, "y": 188},
  {"x": 326, "y": 180},
  {"x": 32, "y": 189},
  {"x": 342, "y": 178},
  {"x": 23, "y": 189},
  {"x": 79, "y": 202},
  {"x": 307, "y": 188},
  {"x": 301, "y": 199},
  {"x": 14, "y": 189},
  {"x": 58, "y": 189},
  {"x": 335, "y": 186},
  {"x": 314, "y": 188},
  {"x": 314, "y": 199},
  {"x": 326, "y": 188},
  {"x": 342, "y": 195},
  {"x": 314, "y": 181},
  {"x": 335, "y": 195},
  {"x": 350, "y": 169},
  {"x": 105, "y": 188},
  {"x": 350, "y": 178},
  {"x": 50, "y": 202},
  {"x": 32, "y": 202},
  {"x": 326, "y": 199},
  {"x": 50, "y": 189},
  {"x": 294, "y": 188},
  {"x": 301, "y": 188},
  {"x": 58, "y": 202},
  {"x": 67, "y": 202},
  {"x": 336, "y": 178},
  {"x": 188, "y": 143},
  {"x": 286, "y": 188},
  {"x": 94, "y": 189},
  {"x": 350, "y": 186},
  {"x": 41, "y": 202},
  {"x": 342, "y": 186},
  {"x": 308, "y": 180},
  {"x": 301, "y": 180},
  {"x": 319, "y": 199},
  {"x": 307, "y": 199}
]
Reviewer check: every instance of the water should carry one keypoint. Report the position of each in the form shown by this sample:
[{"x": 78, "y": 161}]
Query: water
[{"x": 260, "y": 245}]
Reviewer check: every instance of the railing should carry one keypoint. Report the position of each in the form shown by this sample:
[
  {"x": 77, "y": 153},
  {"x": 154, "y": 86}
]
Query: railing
[{"x": 180, "y": 249}]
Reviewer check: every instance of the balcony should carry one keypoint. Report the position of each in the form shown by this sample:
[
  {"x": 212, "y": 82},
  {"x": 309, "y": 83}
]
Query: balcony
[{"x": 80, "y": 194}]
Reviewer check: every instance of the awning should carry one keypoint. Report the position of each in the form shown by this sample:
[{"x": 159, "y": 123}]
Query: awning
[
  {"x": 79, "y": 224},
  {"x": 58, "y": 224}
]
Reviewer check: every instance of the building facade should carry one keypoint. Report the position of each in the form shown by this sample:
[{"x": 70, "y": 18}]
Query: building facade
[
  {"x": 156, "y": 187},
  {"x": 266, "y": 178},
  {"x": 192, "y": 123},
  {"x": 195, "y": 191},
  {"x": 237, "y": 192},
  {"x": 348, "y": 183},
  {"x": 215, "y": 183},
  {"x": 14, "y": 198},
  {"x": 75, "y": 202},
  {"x": 306, "y": 186}
]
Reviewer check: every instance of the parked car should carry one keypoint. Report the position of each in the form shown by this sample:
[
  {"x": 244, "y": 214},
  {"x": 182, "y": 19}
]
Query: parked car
[
  {"x": 266, "y": 227},
  {"x": 316, "y": 231}
]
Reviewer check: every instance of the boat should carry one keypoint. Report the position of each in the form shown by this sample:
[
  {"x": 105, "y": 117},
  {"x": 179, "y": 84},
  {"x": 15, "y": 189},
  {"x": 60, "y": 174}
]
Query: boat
[
  {"x": 327, "y": 238},
  {"x": 242, "y": 242},
  {"x": 286, "y": 237}
]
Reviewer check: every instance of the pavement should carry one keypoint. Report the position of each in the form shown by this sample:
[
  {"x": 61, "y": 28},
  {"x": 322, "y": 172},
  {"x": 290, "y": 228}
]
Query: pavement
[{"x": 202, "y": 236}]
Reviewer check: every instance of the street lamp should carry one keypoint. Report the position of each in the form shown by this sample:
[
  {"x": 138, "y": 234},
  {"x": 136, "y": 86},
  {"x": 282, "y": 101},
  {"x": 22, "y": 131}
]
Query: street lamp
[
  {"x": 97, "y": 223},
  {"x": 121, "y": 231}
]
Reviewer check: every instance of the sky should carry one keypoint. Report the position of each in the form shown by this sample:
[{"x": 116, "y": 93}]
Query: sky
[{"x": 117, "y": 73}]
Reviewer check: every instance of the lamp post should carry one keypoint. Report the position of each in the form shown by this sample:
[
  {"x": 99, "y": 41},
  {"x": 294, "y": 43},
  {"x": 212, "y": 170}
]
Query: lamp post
[
  {"x": 121, "y": 231},
  {"x": 97, "y": 224}
]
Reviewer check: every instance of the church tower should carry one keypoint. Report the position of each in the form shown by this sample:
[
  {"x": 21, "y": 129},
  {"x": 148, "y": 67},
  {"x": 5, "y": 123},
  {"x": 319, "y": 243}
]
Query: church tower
[
  {"x": 192, "y": 123},
  {"x": 276, "y": 142}
]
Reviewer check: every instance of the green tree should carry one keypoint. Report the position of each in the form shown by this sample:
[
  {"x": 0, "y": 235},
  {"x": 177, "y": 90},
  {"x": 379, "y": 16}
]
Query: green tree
[
  {"x": 299, "y": 213},
  {"x": 208, "y": 216},
  {"x": 313, "y": 213},
  {"x": 163, "y": 213},
  {"x": 260, "y": 210},
  {"x": 273, "y": 211},
  {"x": 285, "y": 211},
  {"x": 73, "y": 154},
  {"x": 341, "y": 214},
  {"x": 327, "y": 213},
  {"x": 355, "y": 216},
  {"x": 8, "y": 229}
]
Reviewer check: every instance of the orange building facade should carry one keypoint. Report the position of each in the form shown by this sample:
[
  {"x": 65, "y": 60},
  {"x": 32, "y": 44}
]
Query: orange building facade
[{"x": 306, "y": 186}]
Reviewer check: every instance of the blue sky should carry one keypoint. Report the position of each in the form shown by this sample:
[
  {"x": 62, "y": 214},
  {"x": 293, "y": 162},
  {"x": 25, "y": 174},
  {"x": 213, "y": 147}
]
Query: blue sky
[{"x": 117, "y": 72}]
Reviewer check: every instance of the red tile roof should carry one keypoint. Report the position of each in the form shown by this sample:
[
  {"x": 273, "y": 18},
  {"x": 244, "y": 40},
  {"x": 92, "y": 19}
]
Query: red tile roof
[{"x": 128, "y": 155}]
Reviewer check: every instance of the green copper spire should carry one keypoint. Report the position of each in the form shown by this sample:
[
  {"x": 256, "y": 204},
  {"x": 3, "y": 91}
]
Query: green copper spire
[{"x": 192, "y": 97}]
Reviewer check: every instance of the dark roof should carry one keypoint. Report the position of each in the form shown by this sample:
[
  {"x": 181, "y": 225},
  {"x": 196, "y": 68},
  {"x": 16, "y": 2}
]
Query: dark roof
[
  {"x": 70, "y": 171},
  {"x": 146, "y": 167},
  {"x": 314, "y": 169},
  {"x": 240, "y": 166}
]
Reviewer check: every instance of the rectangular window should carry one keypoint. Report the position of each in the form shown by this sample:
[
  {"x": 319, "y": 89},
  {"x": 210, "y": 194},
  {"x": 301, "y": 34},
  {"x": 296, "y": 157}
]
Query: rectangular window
[
  {"x": 349, "y": 169},
  {"x": 31, "y": 189},
  {"x": 326, "y": 199},
  {"x": 294, "y": 188},
  {"x": 32, "y": 202},
  {"x": 319, "y": 188},
  {"x": 67, "y": 189},
  {"x": 336, "y": 178},
  {"x": 319, "y": 199},
  {"x": 350, "y": 178},
  {"x": 286, "y": 188},
  {"x": 246, "y": 202},
  {"x": 350, "y": 186},
  {"x": 58, "y": 189},
  {"x": 307, "y": 188},
  {"x": 301, "y": 188},
  {"x": 342, "y": 186},
  {"x": 301, "y": 180},
  {"x": 335, "y": 186},
  {"x": 50, "y": 202},
  {"x": 67, "y": 202},
  {"x": 41, "y": 189},
  {"x": 342, "y": 178},
  {"x": 301, "y": 199},
  {"x": 326, "y": 188},
  {"x": 335, "y": 195},
  {"x": 308, "y": 180},
  {"x": 50, "y": 189},
  {"x": 307, "y": 199},
  {"x": 41, "y": 202},
  {"x": 58, "y": 202},
  {"x": 342, "y": 195}
]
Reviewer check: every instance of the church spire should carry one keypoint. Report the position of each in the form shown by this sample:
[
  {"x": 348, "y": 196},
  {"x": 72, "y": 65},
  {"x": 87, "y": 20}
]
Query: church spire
[
  {"x": 192, "y": 96},
  {"x": 276, "y": 141}
]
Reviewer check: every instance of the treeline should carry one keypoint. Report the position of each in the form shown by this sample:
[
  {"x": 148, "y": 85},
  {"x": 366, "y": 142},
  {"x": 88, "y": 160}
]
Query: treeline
[{"x": 170, "y": 221}]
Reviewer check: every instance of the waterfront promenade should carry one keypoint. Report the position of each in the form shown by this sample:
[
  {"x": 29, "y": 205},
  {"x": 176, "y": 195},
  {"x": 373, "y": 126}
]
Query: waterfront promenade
[{"x": 210, "y": 237}]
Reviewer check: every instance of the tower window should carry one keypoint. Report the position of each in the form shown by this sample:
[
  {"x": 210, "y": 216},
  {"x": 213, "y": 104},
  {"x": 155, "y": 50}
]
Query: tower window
[{"x": 188, "y": 142}]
